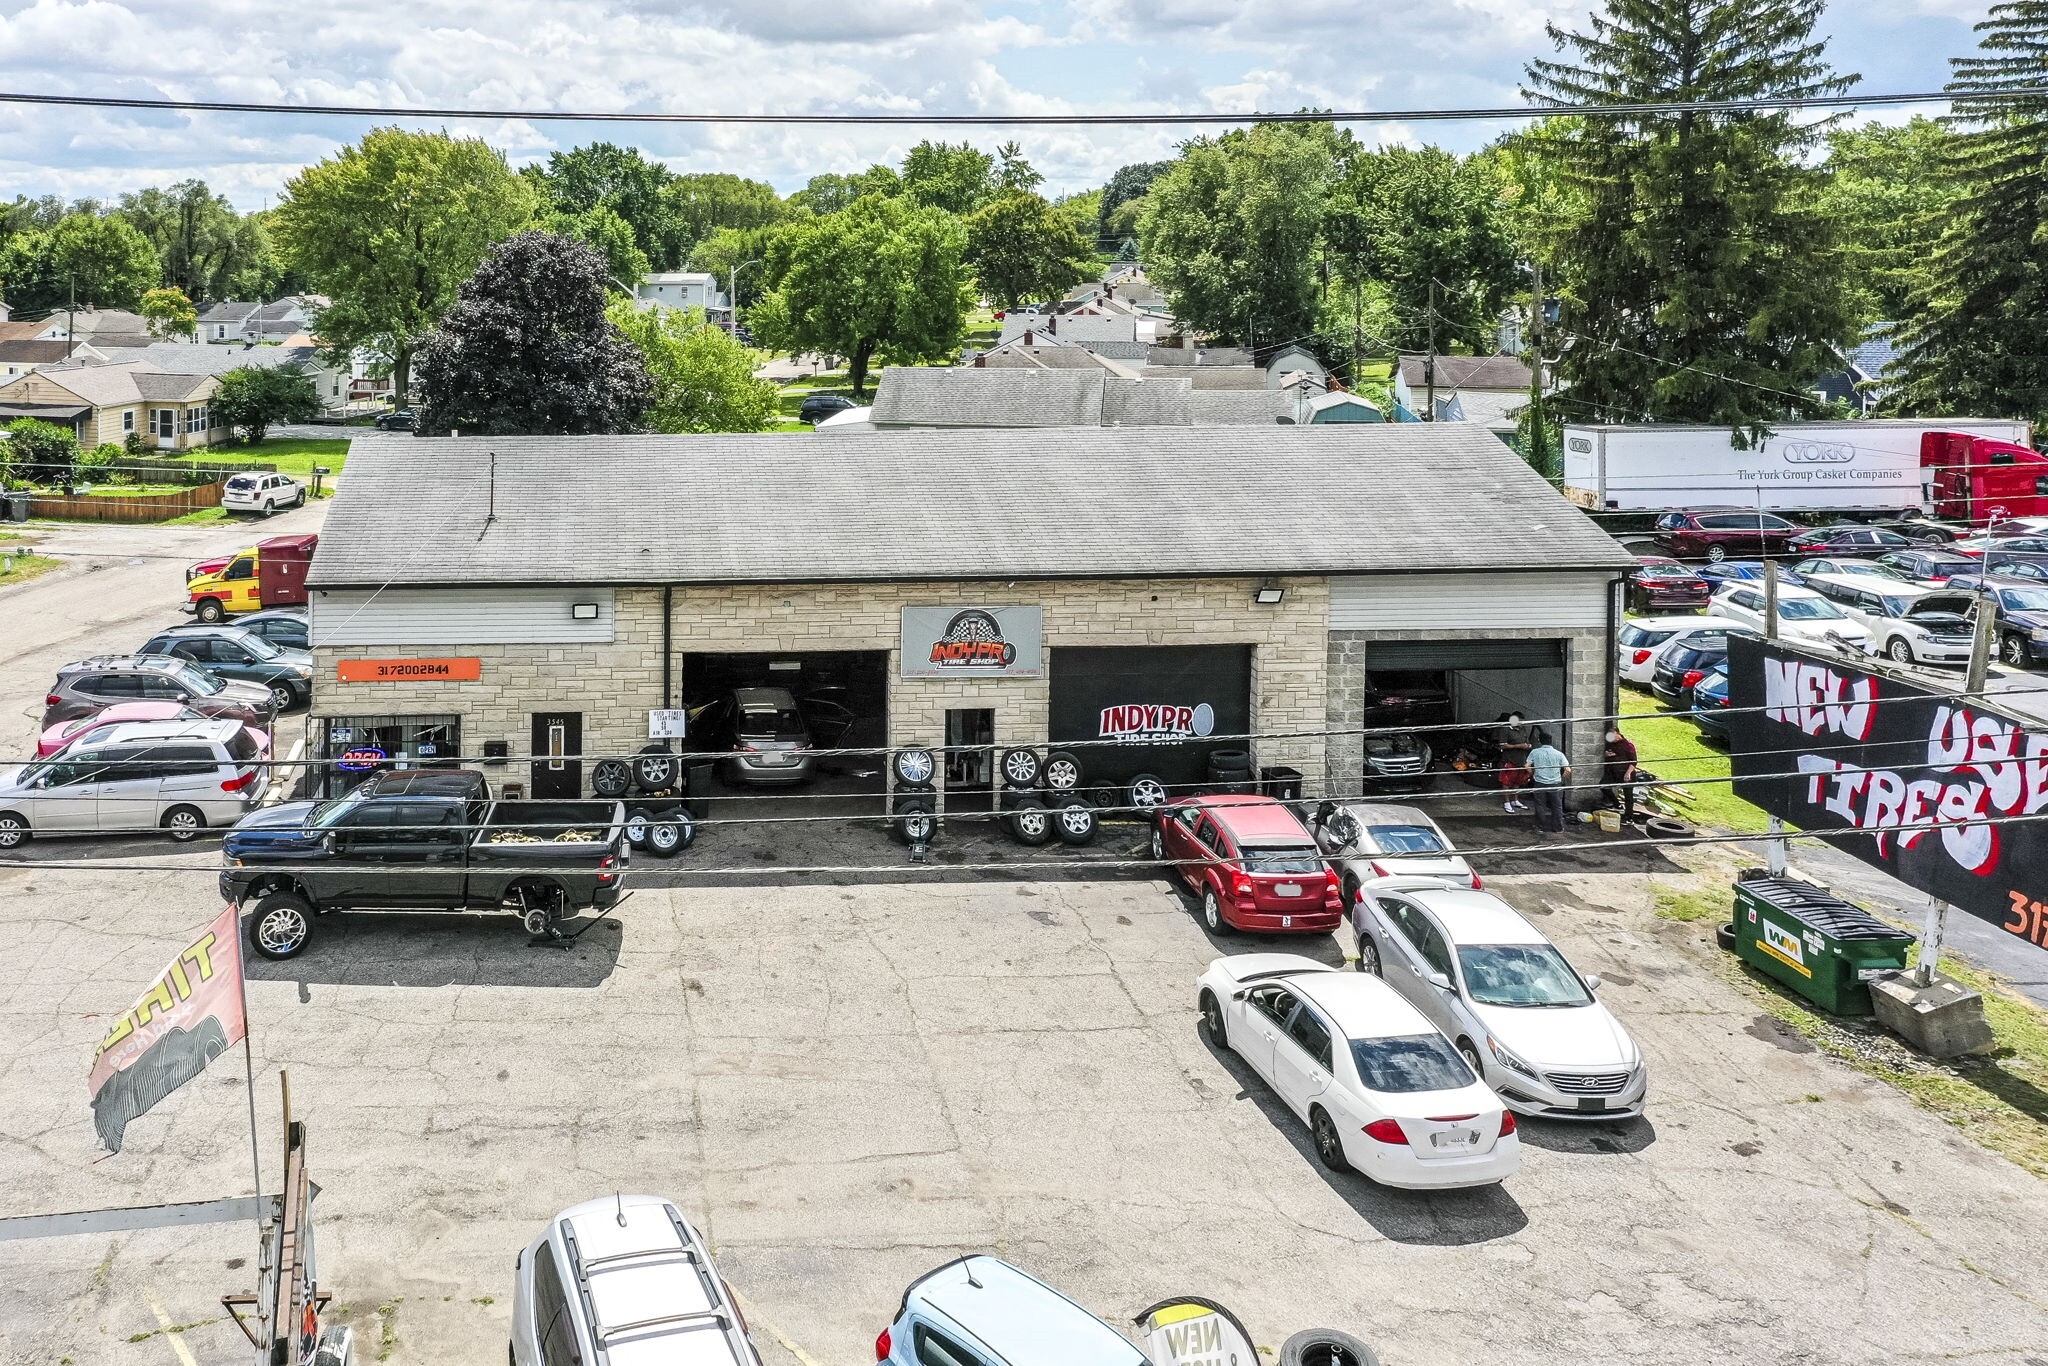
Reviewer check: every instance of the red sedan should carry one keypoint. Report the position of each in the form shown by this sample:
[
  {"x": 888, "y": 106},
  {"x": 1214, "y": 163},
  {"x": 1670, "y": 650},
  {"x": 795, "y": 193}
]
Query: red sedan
[
  {"x": 1661, "y": 583},
  {"x": 1253, "y": 863}
]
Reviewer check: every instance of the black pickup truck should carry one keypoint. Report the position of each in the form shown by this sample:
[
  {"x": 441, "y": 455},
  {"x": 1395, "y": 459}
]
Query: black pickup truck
[{"x": 540, "y": 860}]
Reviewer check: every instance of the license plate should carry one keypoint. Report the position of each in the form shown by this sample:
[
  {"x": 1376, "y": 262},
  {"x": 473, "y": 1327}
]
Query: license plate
[
  {"x": 1286, "y": 922},
  {"x": 1593, "y": 1103},
  {"x": 1455, "y": 1138},
  {"x": 1288, "y": 889}
]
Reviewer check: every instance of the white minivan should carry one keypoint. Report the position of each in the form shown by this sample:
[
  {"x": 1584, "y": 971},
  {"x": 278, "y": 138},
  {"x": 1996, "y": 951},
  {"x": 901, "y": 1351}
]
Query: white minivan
[{"x": 181, "y": 777}]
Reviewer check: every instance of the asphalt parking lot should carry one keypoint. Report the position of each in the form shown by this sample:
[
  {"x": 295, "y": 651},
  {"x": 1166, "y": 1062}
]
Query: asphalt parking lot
[{"x": 847, "y": 1084}]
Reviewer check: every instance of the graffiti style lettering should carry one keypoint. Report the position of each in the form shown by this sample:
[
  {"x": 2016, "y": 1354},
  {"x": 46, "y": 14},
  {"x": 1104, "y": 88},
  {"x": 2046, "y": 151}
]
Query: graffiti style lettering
[{"x": 1815, "y": 698}]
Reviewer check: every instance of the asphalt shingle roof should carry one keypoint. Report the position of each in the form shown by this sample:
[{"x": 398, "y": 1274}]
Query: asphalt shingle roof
[
  {"x": 229, "y": 311},
  {"x": 1469, "y": 372},
  {"x": 1124, "y": 502},
  {"x": 970, "y": 396},
  {"x": 184, "y": 358}
]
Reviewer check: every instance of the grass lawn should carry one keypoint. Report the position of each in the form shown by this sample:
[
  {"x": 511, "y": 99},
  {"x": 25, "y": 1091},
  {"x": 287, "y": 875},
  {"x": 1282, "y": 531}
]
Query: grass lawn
[
  {"x": 126, "y": 490},
  {"x": 203, "y": 517},
  {"x": 23, "y": 566},
  {"x": 1670, "y": 746},
  {"x": 292, "y": 455}
]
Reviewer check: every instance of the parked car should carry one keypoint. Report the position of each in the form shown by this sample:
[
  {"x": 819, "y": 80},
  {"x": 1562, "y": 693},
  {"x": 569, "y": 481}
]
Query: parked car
[
  {"x": 2004, "y": 549},
  {"x": 1728, "y": 571},
  {"x": 1397, "y": 762},
  {"x": 176, "y": 776},
  {"x": 1848, "y": 539},
  {"x": 2016, "y": 569},
  {"x": 464, "y": 783},
  {"x": 263, "y": 493},
  {"x": 1368, "y": 841},
  {"x": 232, "y": 653},
  {"x": 1802, "y": 614},
  {"x": 764, "y": 731},
  {"x": 624, "y": 1278},
  {"x": 1710, "y": 706},
  {"x": 1680, "y": 667},
  {"x": 284, "y": 627},
  {"x": 1521, "y": 1015},
  {"x": 1925, "y": 565},
  {"x": 1907, "y": 623},
  {"x": 63, "y": 733},
  {"x": 92, "y": 685},
  {"x": 1722, "y": 533},
  {"x": 978, "y": 1311},
  {"x": 1659, "y": 582},
  {"x": 1252, "y": 862},
  {"x": 540, "y": 860},
  {"x": 817, "y": 407},
  {"x": 1637, "y": 642},
  {"x": 1383, "y": 1092},
  {"x": 1797, "y": 574},
  {"x": 398, "y": 420},
  {"x": 2021, "y": 608}
]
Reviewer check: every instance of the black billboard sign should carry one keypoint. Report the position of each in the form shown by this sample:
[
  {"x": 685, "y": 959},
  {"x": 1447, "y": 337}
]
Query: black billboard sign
[{"x": 1826, "y": 745}]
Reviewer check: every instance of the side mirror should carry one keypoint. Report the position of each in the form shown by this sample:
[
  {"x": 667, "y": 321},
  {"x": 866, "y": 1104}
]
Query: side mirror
[
  {"x": 1439, "y": 981},
  {"x": 329, "y": 843},
  {"x": 1239, "y": 995},
  {"x": 1325, "y": 810},
  {"x": 1592, "y": 981}
]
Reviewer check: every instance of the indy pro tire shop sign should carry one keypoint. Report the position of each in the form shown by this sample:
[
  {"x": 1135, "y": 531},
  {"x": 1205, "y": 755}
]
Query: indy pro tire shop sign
[
  {"x": 1924, "y": 779},
  {"x": 1151, "y": 593}
]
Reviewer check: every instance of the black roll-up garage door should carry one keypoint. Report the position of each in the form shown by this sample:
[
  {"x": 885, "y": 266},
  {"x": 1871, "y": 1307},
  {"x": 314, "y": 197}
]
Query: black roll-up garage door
[
  {"x": 1464, "y": 654},
  {"x": 1164, "y": 702}
]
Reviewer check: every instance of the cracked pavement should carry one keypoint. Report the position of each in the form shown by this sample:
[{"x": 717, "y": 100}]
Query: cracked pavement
[{"x": 847, "y": 1084}]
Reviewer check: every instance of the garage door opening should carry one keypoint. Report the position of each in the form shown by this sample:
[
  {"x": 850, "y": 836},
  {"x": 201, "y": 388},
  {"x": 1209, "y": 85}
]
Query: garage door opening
[{"x": 1466, "y": 683}]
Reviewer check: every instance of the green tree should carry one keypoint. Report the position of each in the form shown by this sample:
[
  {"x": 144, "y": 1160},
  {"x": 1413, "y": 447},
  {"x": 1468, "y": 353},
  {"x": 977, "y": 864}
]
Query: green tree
[
  {"x": 700, "y": 205},
  {"x": 1086, "y": 211},
  {"x": 943, "y": 176},
  {"x": 1013, "y": 172},
  {"x": 1231, "y": 230},
  {"x": 611, "y": 236},
  {"x": 388, "y": 229},
  {"x": 620, "y": 178},
  {"x": 1024, "y": 248},
  {"x": 253, "y": 398},
  {"x": 703, "y": 379},
  {"x": 41, "y": 452},
  {"x": 882, "y": 278},
  {"x": 527, "y": 348},
  {"x": 1432, "y": 229},
  {"x": 743, "y": 259},
  {"x": 1701, "y": 279},
  {"x": 830, "y": 193},
  {"x": 103, "y": 262},
  {"x": 1971, "y": 342},
  {"x": 1890, "y": 188},
  {"x": 203, "y": 244},
  {"x": 1130, "y": 184},
  {"x": 169, "y": 313}
]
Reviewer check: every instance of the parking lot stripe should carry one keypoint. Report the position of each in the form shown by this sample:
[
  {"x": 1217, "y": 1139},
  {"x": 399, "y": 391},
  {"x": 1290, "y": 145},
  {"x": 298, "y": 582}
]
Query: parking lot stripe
[
  {"x": 163, "y": 1320},
  {"x": 754, "y": 1320}
]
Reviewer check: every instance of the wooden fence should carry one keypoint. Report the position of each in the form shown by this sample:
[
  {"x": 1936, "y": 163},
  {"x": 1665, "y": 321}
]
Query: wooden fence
[
  {"x": 128, "y": 507},
  {"x": 145, "y": 469}
]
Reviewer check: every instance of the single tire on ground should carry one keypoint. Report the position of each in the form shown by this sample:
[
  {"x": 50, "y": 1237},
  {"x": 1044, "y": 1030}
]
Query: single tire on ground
[
  {"x": 611, "y": 778},
  {"x": 280, "y": 925},
  {"x": 655, "y": 769},
  {"x": 1724, "y": 935},
  {"x": 1664, "y": 828},
  {"x": 1063, "y": 771},
  {"x": 1077, "y": 823},
  {"x": 636, "y": 826},
  {"x": 671, "y": 832},
  {"x": 914, "y": 820},
  {"x": 1326, "y": 1347},
  {"x": 1030, "y": 823},
  {"x": 1021, "y": 767}
]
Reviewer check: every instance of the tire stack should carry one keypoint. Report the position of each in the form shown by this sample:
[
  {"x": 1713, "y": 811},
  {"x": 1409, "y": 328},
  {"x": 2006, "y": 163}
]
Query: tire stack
[
  {"x": 1042, "y": 798},
  {"x": 651, "y": 784},
  {"x": 1230, "y": 770},
  {"x": 914, "y": 804}
]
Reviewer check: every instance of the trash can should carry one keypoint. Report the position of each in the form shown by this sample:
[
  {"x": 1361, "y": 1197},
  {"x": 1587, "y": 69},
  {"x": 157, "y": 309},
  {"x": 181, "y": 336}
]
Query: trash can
[
  {"x": 697, "y": 789},
  {"x": 14, "y": 506},
  {"x": 1821, "y": 946},
  {"x": 1281, "y": 784}
]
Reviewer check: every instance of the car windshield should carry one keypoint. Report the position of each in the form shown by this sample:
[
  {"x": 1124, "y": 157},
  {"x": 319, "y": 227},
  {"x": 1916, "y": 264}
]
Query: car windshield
[
  {"x": 1520, "y": 975},
  {"x": 1665, "y": 571},
  {"x": 328, "y": 814},
  {"x": 1808, "y": 609},
  {"x": 1870, "y": 567},
  {"x": 1897, "y": 606},
  {"x": 1410, "y": 1062},
  {"x": 2024, "y": 599},
  {"x": 1285, "y": 858},
  {"x": 1406, "y": 839},
  {"x": 1634, "y": 637},
  {"x": 257, "y": 645},
  {"x": 198, "y": 680}
]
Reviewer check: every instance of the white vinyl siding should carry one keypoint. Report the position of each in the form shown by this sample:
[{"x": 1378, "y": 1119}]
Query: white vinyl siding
[
  {"x": 1469, "y": 602},
  {"x": 459, "y": 616}
]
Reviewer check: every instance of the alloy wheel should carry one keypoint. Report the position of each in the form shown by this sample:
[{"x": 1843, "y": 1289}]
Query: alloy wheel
[
  {"x": 282, "y": 930},
  {"x": 13, "y": 832},
  {"x": 1212, "y": 911}
]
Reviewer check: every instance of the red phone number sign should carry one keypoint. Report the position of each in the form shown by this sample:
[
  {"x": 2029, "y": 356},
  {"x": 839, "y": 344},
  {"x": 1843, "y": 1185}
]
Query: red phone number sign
[{"x": 409, "y": 670}]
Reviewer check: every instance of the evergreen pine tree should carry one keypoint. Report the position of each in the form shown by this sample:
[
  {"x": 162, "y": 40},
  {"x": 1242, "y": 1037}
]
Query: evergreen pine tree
[
  {"x": 1699, "y": 279},
  {"x": 1973, "y": 338}
]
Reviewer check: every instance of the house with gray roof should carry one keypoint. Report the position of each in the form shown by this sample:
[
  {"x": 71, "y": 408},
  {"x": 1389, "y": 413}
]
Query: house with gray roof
[
  {"x": 105, "y": 403},
  {"x": 182, "y": 358},
  {"x": 967, "y": 396}
]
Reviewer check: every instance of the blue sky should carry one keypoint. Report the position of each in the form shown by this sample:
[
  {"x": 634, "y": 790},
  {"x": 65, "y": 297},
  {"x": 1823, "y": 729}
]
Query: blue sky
[{"x": 938, "y": 56}]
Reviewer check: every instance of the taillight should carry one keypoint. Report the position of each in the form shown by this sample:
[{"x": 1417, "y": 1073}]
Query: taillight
[
  {"x": 1476, "y": 883},
  {"x": 1380, "y": 869},
  {"x": 52, "y": 700},
  {"x": 1642, "y": 656},
  {"x": 1691, "y": 678},
  {"x": 1244, "y": 886},
  {"x": 608, "y": 869},
  {"x": 882, "y": 1346},
  {"x": 238, "y": 782},
  {"x": 1385, "y": 1131},
  {"x": 1507, "y": 1122}
]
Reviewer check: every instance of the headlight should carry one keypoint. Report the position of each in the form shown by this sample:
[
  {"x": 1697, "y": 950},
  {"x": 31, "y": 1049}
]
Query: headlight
[
  {"x": 2038, "y": 633},
  {"x": 1508, "y": 1060},
  {"x": 303, "y": 670}
]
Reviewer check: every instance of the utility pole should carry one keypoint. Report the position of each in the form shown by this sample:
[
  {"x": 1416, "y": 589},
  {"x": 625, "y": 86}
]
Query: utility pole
[
  {"x": 1979, "y": 672},
  {"x": 1539, "y": 432},
  {"x": 70, "y": 314},
  {"x": 1429, "y": 362}
]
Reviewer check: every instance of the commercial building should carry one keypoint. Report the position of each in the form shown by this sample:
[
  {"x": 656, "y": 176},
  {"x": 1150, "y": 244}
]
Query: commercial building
[{"x": 537, "y": 595}]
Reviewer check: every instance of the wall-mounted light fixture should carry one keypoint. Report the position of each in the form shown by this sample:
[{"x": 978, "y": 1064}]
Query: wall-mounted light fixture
[
  {"x": 583, "y": 611},
  {"x": 1268, "y": 594}
]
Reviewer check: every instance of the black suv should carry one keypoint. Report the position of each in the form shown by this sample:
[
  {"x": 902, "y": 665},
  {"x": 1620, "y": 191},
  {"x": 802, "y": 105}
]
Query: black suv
[
  {"x": 2022, "y": 614},
  {"x": 817, "y": 407},
  {"x": 401, "y": 420}
]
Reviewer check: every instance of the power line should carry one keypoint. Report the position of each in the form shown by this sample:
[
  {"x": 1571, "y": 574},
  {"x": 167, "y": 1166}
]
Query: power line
[{"x": 1429, "y": 115}]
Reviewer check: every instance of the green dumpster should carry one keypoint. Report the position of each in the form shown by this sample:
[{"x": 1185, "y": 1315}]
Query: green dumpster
[{"x": 1821, "y": 946}]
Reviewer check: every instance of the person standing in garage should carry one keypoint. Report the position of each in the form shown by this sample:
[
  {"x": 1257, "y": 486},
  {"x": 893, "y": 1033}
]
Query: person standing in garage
[
  {"x": 1513, "y": 741},
  {"x": 1549, "y": 771}
]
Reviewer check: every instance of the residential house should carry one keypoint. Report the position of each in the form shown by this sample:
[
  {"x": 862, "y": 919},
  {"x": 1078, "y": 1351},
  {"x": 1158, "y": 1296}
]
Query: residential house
[
  {"x": 234, "y": 320},
  {"x": 681, "y": 289},
  {"x": 178, "y": 358},
  {"x": 970, "y": 397},
  {"x": 104, "y": 327},
  {"x": 1490, "y": 391},
  {"x": 1034, "y": 350},
  {"x": 224, "y": 322},
  {"x": 104, "y": 403},
  {"x": 25, "y": 355},
  {"x": 1865, "y": 377}
]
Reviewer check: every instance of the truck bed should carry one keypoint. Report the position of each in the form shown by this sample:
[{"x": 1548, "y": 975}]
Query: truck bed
[{"x": 547, "y": 830}]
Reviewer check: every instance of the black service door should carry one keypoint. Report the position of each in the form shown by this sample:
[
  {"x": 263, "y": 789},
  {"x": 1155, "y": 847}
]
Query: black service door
[
  {"x": 556, "y": 736},
  {"x": 1166, "y": 705}
]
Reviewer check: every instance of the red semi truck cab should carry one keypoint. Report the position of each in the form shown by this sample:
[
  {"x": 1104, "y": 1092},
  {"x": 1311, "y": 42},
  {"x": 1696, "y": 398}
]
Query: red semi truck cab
[{"x": 1978, "y": 480}]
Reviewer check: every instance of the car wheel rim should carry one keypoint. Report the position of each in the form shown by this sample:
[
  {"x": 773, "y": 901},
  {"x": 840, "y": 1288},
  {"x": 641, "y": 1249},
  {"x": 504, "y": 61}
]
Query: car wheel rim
[
  {"x": 281, "y": 698},
  {"x": 1148, "y": 794},
  {"x": 1369, "y": 957},
  {"x": 1062, "y": 776},
  {"x": 1326, "y": 1137},
  {"x": 281, "y": 931},
  {"x": 1158, "y": 848},
  {"x": 918, "y": 828},
  {"x": 10, "y": 834},
  {"x": 184, "y": 823},
  {"x": 2013, "y": 653},
  {"x": 1077, "y": 822},
  {"x": 1902, "y": 652},
  {"x": 636, "y": 830},
  {"x": 1032, "y": 824},
  {"x": 1021, "y": 769},
  {"x": 1716, "y": 554},
  {"x": 662, "y": 837},
  {"x": 915, "y": 766},
  {"x": 1211, "y": 910}
]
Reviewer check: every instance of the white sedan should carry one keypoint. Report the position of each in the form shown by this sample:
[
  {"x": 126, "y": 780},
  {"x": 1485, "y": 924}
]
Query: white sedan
[
  {"x": 1802, "y": 615},
  {"x": 1372, "y": 840},
  {"x": 1523, "y": 1017},
  {"x": 1382, "y": 1091},
  {"x": 1638, "y": 642}
]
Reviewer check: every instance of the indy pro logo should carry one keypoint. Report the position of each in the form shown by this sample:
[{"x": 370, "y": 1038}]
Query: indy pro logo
[
  {"x": 1157, "y": 723},
  {"x": 973, "y": 640}
]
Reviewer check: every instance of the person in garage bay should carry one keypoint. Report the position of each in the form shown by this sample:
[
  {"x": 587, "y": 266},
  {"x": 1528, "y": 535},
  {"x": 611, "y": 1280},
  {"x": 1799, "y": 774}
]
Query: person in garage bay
[
  {"x": 1618, "y": 773},
  {"x": 1514, "y": 741}
]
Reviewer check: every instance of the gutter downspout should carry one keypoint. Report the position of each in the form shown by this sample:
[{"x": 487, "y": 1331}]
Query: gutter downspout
[{"x": 668, "y": 675}]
